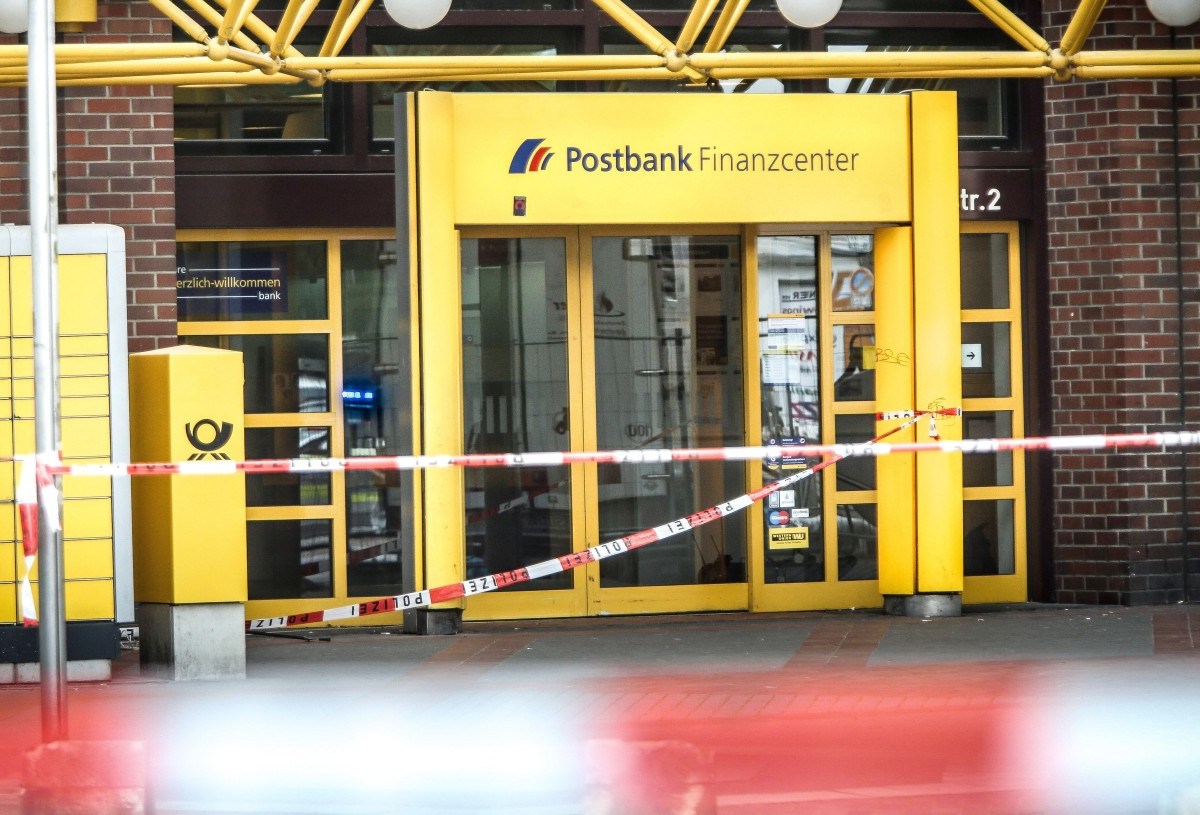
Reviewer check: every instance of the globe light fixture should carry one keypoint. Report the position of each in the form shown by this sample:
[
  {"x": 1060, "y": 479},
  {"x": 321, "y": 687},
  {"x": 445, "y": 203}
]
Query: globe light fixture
[
  {"x": 417, "y": 13},
  {"x": 14, "y": 16},
  {"x": 1176, "y": 13},
  {"x": 810, "y": 13}
]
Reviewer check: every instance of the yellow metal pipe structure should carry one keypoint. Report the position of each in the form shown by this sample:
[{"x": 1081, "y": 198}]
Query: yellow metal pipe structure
[
  {"x": 143, "y": 67},
  {"x": 294, "y": 18},
  {"x": 215, "y": 79},
  {"x": 255, "y": 26},
  {"x": 102, "y": 51},
  {"x": 1012, "y": 25},
  {"x": 697, "y": 19},
  {"x": 234, "y": 19},
  {"x": 640, "y": 74},
  {"x": 259, "y": 61},
  {"x": 180, "y": 18},
  {"x": 938, "y": 73},
  {"x": 214, "y": 18},
  {"x": 632, "y": 22},
  {"x": 730, "y": 15},
  {"x": 1081, "y": 26},
  {"x": 1094, "y": 58},
  {"x": 479, "y": 63},
  {"x": 349, "y": 14},
  {"x": 270, "y": 65},
  {"x": 870, "y": 60},
  {"x": 1138, "y": 71}
]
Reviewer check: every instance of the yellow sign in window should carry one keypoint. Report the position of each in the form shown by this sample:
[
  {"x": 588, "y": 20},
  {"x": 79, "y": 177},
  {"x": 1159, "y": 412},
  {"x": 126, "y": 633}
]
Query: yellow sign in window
[{"x": 787, "y": 537}]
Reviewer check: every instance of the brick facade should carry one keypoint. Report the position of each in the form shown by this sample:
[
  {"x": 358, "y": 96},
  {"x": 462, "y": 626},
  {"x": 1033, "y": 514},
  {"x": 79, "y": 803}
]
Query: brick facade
[
  {"x": 1115, "y": 339},
  {"x": 116, "y": 165}
]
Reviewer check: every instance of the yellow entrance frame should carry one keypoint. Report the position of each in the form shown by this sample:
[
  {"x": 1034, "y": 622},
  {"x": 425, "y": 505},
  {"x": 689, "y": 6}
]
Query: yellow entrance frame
[
  {"x": 333, "y": 419},
  {"x": 467, "y": 175},
  {"x": 1012, "y": 587}
]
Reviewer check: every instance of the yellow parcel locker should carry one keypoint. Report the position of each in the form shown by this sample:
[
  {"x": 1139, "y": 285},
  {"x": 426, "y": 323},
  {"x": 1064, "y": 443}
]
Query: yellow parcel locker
[{"x": 98, "y": 584}]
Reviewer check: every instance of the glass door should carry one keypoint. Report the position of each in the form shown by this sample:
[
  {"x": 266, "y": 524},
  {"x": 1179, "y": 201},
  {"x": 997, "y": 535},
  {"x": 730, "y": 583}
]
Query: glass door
[
  {"x": 817, "y": 540},
  {"x": 666, "y": 343},
  {"x": 600, "y": 341},
  {"x": 519, "y": 323}
]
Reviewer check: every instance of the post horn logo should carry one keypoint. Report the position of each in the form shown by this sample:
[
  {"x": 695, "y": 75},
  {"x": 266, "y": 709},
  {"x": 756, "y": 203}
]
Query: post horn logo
[{"x": 220, "y": 437}]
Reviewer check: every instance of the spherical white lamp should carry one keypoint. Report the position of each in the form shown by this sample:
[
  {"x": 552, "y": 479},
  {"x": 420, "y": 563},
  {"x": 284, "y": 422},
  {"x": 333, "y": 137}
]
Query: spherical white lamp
[
  {"x": 1175, "y": 12},
  {"x": 417, "y": 13},
  {"x": 809, "y": 13},
  {"x": 14, "y": 16}
]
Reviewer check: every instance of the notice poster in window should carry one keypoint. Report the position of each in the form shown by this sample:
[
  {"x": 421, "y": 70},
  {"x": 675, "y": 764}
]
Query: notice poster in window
[{"x": 788, "y": 349}]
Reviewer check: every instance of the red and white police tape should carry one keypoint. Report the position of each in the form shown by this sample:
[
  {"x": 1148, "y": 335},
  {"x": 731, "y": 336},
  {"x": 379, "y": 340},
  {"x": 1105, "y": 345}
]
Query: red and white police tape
[
  {"x": 46, "y": 470},
  {"x": 562, "y": 563},
  {"x": 1164, "y": 439},
  {"x": 35, "y": 485}
]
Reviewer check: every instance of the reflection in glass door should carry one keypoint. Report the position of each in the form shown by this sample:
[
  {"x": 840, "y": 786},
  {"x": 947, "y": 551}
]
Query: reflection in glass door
[
  {"x": 668, "y": 374},
  {"x": 516, "y": 400},
  {"x": 816, "y": 380}
]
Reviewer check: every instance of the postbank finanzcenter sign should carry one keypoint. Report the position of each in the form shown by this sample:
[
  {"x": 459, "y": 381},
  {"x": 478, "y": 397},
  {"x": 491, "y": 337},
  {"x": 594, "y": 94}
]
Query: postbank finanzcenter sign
[{"x": 675, "y": 158}]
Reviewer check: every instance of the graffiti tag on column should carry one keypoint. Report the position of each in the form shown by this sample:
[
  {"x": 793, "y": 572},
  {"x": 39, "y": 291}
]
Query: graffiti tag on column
[{"x": 888, "y": 356}]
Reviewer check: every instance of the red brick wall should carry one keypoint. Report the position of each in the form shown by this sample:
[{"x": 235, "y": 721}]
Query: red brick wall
[
  {"x": 1114, "y": 308},
  {"x": 116, "y": 165}
]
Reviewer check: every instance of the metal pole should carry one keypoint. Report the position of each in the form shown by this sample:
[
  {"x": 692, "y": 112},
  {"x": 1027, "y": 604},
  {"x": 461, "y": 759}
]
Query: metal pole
[{"x": 43, "y": 228}]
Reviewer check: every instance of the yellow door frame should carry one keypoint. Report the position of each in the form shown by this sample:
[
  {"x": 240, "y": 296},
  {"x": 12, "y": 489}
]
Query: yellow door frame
[
  {"x": 1012, "y": 587},
  {"x": 333, "y": 419},
  {"x": 830, "y": 592}
]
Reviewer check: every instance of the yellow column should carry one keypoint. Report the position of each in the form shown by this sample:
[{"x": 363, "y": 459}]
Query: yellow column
[
  {"x": 937, "y": 352},
  {"x": 894, "y": 391},
  {"x": 440, "y": 282}
]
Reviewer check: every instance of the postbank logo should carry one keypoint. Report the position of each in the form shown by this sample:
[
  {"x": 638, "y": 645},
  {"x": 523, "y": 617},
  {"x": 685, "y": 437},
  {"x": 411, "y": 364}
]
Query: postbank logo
[{"x": 530, "y": 157}]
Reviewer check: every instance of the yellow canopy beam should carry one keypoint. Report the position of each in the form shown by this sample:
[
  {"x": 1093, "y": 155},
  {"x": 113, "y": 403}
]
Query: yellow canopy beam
[
  {"x": 631, "y": 74},
  {"x": 180, "y": 18},
  {"x": 215, "y": 19},
  {"x": 730, "y": 15},
  {"x": 234, "y": 19},
  {"x": 633, "y": 23},
  {"x": 646, "y": 34},
  {"x": 64, "y": 54},
  {"x": 254, "y": 25},
  {"x": 868, "y": 60},
  {"x": 160, "y": 67},
  {"x": 1081, "y": 25},
  {"x": 479, "y": 63},
  {"x": 915, "y": 73},
  {"x": 349, "y": 14},
  {"x": 218, "y": 78},
  {"x": 1012, "y": 25},
  {"x": 1133, "y": 71},
  {"x": 1093, "y": 58},
  {"x": 294, "y": 17},
  {"x": 697, "y": 19}
]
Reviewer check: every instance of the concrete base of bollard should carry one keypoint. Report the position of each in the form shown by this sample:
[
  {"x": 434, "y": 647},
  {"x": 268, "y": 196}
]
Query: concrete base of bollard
[
  {"x": 923, "y": 605},
  {"x": 433, "y": 621},
  {"x": 193, "y": 640},
  {"x": 85, "y": 778}
]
